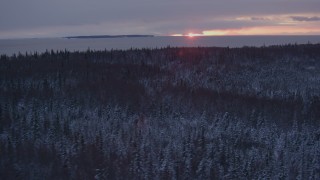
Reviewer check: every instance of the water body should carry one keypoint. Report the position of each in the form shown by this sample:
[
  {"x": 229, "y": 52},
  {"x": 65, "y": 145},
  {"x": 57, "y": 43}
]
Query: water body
[{"x": 11, "y": 46}]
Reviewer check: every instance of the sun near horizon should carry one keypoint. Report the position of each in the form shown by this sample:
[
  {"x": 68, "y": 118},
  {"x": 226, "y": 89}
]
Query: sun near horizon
[{"x": 252, "y": 31}]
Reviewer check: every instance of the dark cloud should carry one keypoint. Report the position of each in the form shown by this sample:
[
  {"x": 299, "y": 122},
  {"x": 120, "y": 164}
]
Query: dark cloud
[
  {"x": 259, "y": 19},
  {"x": 303, "y": 18}
]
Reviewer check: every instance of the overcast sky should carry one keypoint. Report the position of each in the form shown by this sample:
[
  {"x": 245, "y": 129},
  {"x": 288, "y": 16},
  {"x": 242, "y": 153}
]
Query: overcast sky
[{"x": 56, "y": 18}]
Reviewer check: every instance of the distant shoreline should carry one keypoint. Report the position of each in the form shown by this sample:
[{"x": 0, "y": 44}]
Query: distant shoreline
[
  {"x": 106, "y": 36},
  {"x": 97, "y": 42}
]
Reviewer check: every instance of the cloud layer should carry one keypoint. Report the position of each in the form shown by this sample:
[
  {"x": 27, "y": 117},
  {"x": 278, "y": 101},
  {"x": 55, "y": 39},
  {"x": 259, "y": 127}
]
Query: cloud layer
[
  {"x": 303, "y": 18},
  {"x": 46, "y": 18}
]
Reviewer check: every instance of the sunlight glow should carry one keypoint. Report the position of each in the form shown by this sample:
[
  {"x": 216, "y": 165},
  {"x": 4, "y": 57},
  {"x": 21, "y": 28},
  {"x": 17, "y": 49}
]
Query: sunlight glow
[
  {"x": 191, "y": 35},
  {"x": 283, "y": 24},
  {"x": 267, "y": 30},
  {"x": 283, "y": 29}
]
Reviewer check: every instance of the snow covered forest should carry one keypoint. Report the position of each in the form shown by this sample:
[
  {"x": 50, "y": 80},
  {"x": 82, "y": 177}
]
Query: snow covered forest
[{"x": 170, "y": 113}]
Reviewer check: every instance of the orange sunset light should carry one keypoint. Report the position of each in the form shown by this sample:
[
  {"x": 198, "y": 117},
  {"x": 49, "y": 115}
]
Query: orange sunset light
[
  {"x": 191, "y": 35},
  {"x": 261, "y": 30}
]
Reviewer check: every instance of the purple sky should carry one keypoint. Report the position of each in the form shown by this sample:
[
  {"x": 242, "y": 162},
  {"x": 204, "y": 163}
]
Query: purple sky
[{"x": 56, "y": 18}]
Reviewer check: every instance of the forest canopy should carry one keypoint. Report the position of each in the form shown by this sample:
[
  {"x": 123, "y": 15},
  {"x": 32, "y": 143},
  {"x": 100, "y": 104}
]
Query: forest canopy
[{"x": 169, "y": 113}]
